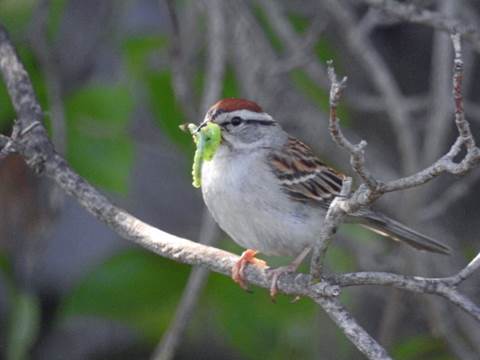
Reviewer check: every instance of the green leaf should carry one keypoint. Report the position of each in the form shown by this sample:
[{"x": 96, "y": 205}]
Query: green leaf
[
  {"x": 98, "y": 145},
  {"x": 136, "y": 287},
  {"x": 23, "y": 325}
]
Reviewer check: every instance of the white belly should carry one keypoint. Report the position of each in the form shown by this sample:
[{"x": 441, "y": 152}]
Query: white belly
[{"x": 248, "y": 204}]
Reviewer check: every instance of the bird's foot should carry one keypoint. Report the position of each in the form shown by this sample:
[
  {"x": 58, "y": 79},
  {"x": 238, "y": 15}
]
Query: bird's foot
[
  {"x": 275, "y": 274},
  {"x": 238, "y": 270},
  {"x": 290, "y": 268}
]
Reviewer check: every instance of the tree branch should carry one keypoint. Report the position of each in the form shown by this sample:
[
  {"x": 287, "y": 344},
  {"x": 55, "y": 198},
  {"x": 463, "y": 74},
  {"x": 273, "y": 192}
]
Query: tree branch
[
  {"x": 381, "y": 77},
  {"x": 412, "y": 13}
]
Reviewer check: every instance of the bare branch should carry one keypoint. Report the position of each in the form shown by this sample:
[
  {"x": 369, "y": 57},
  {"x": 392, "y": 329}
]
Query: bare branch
[
  {"x": 439, "y": 286},
  {"x": 209, "y": 234},
  {"x": 45, "y": 55},
  {"x": 446, "y": 163},
  {"x": 216, "y": 60},
  {"x": 357, "y": 335},
  {"x": 462, "y": 124},
  {"x": 7, "y": 146},
  {"x": 333, "y": 218},
  {"x": 381, "y": 77},
  {"x": 357, "y": 153},
  {"x": 467, "y": 271},
  {"x": 300, "y": 52},
  {"x": 441, "y": 108},
  {"x": 412, "y": 13},
  {"x": 181, "y": 82}
]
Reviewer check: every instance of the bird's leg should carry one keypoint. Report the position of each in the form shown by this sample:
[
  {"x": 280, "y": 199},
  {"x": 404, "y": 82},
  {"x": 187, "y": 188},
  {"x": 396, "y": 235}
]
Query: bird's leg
[
  {"x": 238, "y": 270},
  {"x": 292, "y": 267}
]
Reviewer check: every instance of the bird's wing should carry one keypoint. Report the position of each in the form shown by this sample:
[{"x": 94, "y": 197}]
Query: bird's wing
[{"x": 303, "y": 176}]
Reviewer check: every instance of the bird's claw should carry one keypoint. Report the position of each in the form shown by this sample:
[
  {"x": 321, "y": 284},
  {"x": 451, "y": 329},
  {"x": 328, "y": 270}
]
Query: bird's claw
[
  {"x": 238, "y": 270},
  {"x": 275, "y": 274}
]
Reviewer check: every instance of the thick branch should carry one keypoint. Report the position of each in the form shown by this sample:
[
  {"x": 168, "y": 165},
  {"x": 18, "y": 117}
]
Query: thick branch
[{"x": 366, "y": 344}]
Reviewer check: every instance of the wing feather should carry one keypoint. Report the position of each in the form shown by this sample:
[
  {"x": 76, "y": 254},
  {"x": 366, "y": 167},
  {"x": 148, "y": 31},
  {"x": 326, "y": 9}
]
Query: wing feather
[{"x": 303, "y": 176}]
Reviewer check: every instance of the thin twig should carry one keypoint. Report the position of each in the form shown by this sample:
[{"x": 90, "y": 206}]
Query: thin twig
[
  {"x": 333, "y": 218},
  {"x": 209, "y": 232},
  {"x": 7, "y": 146},
  {"x": 357, "y": 153},
  {"x": 462, "y": 125},
  {"x": 357, "y": 335},
  {"x": 467, "y": 271},
  {"x": 216, "y": 58},
  {"x": 439, "y": 119},
  {"x": 299, "y": 48},
  {"x": 46, "y": 57},
  {"x": 166, "y": 349},
  {"x": 414, "y": 14},
  {"x": 381, "y": 77},
  {"x": 181, "y": 83}
]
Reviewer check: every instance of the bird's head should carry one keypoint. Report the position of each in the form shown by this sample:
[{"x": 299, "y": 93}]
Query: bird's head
[{"x": 243, "y": 124}]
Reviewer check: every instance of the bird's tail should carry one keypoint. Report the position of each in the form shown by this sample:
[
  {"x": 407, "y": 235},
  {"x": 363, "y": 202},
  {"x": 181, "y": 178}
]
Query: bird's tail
[{"x": 386, "y": 226}]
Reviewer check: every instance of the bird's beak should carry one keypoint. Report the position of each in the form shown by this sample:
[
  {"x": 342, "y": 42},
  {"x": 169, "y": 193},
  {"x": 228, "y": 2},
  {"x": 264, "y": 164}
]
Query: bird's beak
[
  {"x": 203, "y": 124},
  {"x": 186, "y": 127}
]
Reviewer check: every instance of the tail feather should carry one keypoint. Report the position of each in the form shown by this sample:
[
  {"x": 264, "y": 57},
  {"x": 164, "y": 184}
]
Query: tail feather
[{"x": 391, "y": 228}]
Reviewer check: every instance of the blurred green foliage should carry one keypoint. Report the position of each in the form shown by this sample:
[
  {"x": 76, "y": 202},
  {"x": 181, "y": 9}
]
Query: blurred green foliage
[
  {"x": 134, "y": 286},
  {"x": 98, "y": 145},
  {"x": 420, "y": 347},
  {"x": 16, "y": 14},
  {"x": 164, "y": 105},
  {"x": 24, "y": 323},
  {"x": 142, "y": 290},
  {"x": 55, "y": 17},
  {"x": 23, "y": 318}
]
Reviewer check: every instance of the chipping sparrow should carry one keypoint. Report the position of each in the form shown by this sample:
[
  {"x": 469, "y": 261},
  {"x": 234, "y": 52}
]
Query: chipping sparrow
[{"x": 269, "y": 192}]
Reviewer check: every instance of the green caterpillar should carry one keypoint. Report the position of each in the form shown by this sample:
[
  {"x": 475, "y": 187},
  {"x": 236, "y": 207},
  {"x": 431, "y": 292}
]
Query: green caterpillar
[{"x": 207, "y": 141}]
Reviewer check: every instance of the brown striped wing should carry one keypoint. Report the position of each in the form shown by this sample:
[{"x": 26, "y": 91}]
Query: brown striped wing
[{"x": 303, "y": 176}]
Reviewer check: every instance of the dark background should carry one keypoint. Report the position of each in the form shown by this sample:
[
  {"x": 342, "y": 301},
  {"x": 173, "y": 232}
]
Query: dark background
[{"x": 116, "y": 78}]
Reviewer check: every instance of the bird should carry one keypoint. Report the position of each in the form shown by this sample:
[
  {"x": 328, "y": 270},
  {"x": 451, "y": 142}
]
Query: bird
[{"x": 270, "y": 193}]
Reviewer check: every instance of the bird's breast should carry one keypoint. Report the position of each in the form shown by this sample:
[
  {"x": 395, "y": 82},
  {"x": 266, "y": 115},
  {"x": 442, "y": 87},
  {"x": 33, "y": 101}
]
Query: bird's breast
[{"x": 246, "y": 200}]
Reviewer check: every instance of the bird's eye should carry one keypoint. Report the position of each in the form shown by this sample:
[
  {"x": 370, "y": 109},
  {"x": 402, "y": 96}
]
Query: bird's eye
[{"x": 236, "y": 121}]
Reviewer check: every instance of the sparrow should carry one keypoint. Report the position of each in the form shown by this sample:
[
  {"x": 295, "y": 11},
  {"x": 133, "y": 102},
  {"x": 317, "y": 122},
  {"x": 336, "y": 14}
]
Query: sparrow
[{"x": 270, "y": 193}]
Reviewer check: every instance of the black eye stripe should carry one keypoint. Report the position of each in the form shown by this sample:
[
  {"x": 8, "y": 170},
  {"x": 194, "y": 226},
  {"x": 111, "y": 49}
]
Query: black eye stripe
[
  {"x": 251, "y": 121},
  {"x": 260, "y": 122}
]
